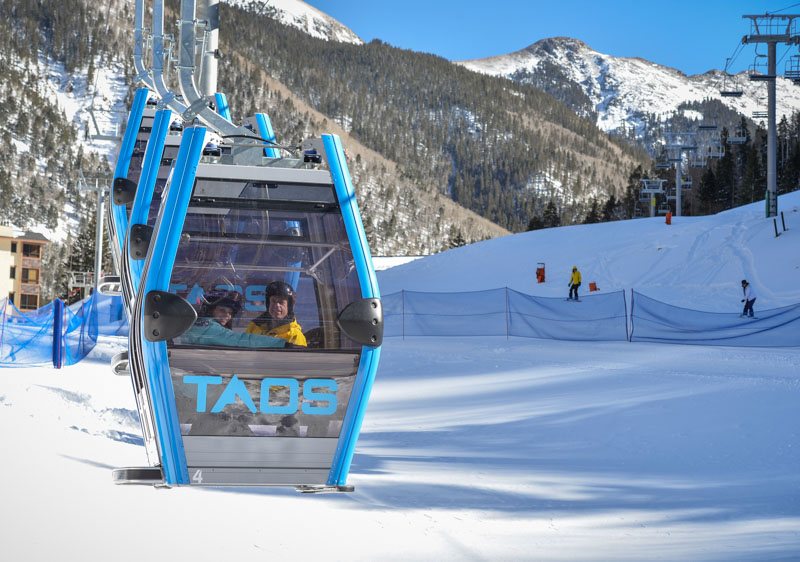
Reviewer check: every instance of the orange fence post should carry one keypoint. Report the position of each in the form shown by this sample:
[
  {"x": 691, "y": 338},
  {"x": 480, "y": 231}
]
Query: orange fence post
[
  {"x": 592, "y": 287},
  {"x": 669, "y": 217},
  {"x": 540, "y": 272}
]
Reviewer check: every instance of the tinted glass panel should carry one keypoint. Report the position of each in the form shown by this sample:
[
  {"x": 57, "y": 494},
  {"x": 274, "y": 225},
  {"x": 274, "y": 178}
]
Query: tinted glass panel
[{"x": 237, "y": 237}]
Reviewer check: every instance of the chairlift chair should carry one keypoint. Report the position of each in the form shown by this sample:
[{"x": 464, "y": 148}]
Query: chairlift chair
[
  {"x": 663, "y": 208},
  {"x": 730, "y": 87},
  {"x": 226, "y": 415},
  {"x": 758, "y": 71},
  {"x": 652, "y": 186},
  {"x": 739, "y": 137},
  {"x": 792, "y": 68},
  {"x": 716, "y": 150}
]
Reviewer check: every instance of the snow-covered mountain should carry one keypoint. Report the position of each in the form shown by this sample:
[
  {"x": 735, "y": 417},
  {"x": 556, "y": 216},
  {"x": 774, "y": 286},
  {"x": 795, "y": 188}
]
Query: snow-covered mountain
[
  {"x": 622, "y": 89},
  {"x": 297, "y": 13}
]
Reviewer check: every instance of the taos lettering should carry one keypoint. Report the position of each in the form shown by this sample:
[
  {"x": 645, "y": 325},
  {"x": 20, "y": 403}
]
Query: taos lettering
[{"x": 236, "y": 387}]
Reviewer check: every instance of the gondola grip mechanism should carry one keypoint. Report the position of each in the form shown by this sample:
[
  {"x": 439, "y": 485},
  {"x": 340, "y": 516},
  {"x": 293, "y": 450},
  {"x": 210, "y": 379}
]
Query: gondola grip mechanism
[{"x": 314, "y": 151}]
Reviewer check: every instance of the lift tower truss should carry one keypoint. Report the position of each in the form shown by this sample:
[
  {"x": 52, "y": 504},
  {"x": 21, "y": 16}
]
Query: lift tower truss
[
  {"x": 677, "y": 144},
  {"x": 771, "y": 29}
]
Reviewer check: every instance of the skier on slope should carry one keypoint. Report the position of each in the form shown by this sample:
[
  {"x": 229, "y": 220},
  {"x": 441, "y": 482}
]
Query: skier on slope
[
  {"x": 749, "y": 299},
  {"x": 574, "y": 283}
]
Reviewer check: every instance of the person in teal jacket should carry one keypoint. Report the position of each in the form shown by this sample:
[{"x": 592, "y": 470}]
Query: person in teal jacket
[{"x": 213, "y": 325}]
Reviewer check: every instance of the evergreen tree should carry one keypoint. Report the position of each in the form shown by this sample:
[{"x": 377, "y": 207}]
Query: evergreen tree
[
  {"x": 551, "y": 217},
  {"x": 535, "y": 223},
  {"x": 631, "y": 196},
  {"x": 456, "y": 237},
  {"x": 707, "y": 191},
  {"x": 593, "y": 215}
]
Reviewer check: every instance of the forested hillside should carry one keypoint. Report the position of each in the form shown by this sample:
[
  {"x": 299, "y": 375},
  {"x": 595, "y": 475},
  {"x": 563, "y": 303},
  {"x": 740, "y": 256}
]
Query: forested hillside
[
  {"x": 44, "y": 152},
  {"x": 502, "y": 149}
]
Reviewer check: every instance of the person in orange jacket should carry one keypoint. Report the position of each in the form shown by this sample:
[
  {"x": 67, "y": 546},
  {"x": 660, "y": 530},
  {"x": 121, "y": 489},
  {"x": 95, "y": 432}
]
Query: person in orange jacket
[{"x": 574, "y": 283}]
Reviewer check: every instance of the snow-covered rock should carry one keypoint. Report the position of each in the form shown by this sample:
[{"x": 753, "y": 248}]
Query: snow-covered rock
[{"x": 297, "y": 13}]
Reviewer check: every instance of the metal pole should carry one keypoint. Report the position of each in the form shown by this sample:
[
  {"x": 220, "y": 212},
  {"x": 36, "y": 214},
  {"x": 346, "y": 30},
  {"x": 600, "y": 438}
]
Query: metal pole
[
  {"x": 208, "y": 72},
  {"x": 772, "y": 183},
  {"x": 98, "y": 236}
]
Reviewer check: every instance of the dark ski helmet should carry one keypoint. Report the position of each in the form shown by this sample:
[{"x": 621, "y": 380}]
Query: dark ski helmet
[
  {"x": 279, "y": 288},
  {"x": 219, "y": 297}
]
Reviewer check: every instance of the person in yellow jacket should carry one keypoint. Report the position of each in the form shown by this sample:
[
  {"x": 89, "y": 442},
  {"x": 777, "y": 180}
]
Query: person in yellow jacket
[
  {"x": 278, "y": 320},
  {"x": 574, "y": 283}
]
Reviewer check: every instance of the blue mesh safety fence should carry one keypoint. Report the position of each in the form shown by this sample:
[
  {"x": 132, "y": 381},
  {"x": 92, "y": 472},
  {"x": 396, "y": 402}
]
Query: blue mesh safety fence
[
  {"x": 599, "y": 317},
  {"x": 505, "y": 312},
  {"x": 111, "y": 317},
  {"x": 26, "y": 338},
  {"x": 477, "y": 313},
  {"x": 80, "y": 334},
  {"x": 655, "y": 321}
]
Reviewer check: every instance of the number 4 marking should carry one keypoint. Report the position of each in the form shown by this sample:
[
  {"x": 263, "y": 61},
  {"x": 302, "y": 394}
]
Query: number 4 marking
[{"x": 198, "y": 477}]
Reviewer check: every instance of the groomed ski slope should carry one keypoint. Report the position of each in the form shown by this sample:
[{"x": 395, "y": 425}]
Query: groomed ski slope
[{"x": 476, "y": 448}]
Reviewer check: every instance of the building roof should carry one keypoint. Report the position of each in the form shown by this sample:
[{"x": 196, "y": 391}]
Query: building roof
[{"x": 33, "y": 237}]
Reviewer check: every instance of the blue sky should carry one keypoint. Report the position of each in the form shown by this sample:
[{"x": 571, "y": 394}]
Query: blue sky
[{"x": 693, "y": 36}]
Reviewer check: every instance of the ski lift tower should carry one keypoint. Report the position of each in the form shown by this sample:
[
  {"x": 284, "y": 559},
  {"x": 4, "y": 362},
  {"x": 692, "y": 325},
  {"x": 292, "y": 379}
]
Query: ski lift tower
[
  {"x": 677, "y": 144},
  {"x": 771, "y": 29}
]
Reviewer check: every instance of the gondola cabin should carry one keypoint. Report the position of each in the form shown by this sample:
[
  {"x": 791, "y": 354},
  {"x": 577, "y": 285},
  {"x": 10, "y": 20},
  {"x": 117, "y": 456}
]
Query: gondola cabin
[{"x": 257, "y": 327}]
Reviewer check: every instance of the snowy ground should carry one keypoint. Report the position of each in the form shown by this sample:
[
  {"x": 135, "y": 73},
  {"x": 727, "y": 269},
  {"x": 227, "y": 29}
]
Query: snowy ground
[{"x": 476, "y": 448}]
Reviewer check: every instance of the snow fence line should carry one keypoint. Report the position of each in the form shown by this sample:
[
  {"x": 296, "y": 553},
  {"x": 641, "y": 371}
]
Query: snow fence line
[
  {"x": 64, "y": 335},
  {"x": 55, "y": 333},
  {"x": 600, "y": 317},
  {"x": 655, "y": 321}
]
